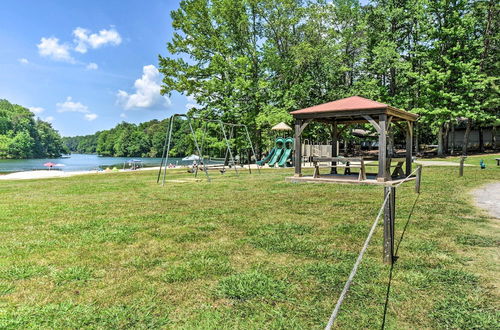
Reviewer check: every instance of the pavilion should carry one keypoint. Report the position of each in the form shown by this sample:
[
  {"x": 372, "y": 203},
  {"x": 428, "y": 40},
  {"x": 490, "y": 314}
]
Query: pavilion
[{"x": 356, "y": 110}]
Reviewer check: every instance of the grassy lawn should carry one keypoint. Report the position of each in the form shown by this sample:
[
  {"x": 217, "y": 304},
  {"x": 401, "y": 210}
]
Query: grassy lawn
[{"x": 120, "y": 251}]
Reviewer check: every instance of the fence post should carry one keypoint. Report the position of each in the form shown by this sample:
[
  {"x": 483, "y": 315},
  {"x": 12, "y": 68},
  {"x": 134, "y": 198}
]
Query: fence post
[
  {"x": 389, "y": 215},
  {"x": 418, "y": 179},
  {"x": 461, "y": 169}
]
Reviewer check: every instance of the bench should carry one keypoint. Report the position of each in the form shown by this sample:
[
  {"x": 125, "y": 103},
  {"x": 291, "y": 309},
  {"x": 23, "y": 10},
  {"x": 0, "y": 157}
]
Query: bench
[
  {"x": 336, "y": 162},
  {"x": 347, "y": 163}
]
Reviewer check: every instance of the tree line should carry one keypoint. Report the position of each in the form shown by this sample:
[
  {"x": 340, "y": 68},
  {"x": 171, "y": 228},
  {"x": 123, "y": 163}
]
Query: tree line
[
  {"x": 254, "y": 61},
  {"x": 23, "y": 136},
  {"x": 143, "y": 140}
]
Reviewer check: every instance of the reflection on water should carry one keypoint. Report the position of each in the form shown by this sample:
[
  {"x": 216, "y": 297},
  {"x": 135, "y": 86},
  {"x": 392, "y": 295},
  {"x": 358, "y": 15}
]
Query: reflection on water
[{"x": 79, "y": 162}]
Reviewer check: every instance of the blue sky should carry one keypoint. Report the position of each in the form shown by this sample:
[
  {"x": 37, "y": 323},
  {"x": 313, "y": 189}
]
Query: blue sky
[{"x": 86, "y": 65}]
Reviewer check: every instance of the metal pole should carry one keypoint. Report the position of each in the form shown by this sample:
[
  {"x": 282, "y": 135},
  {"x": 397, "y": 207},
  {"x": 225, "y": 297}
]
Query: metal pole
[
  {"x": 168, "y": 148},
  {"x": 253, "y": 150},
  {"x": 202, "y": 144},
  {"x": 163, "y": 154},
  {"x": 228, "y": 146},
  {"x": 198, "y": 148}
]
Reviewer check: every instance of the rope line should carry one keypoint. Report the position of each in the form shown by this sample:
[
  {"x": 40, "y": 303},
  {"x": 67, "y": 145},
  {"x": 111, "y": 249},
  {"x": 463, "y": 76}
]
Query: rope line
[{"x": 347, "y": 285}]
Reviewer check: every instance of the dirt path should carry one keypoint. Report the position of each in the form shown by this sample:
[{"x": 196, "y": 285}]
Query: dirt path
[{"x": 488, "y": 198}]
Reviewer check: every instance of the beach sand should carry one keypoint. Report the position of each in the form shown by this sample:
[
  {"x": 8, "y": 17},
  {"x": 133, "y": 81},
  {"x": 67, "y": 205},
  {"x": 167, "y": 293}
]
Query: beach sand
[{"x": 49, "y": 174}]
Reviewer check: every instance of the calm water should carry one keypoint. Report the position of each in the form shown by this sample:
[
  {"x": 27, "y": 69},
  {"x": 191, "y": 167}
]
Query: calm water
[{"x": 78, "y": 162}]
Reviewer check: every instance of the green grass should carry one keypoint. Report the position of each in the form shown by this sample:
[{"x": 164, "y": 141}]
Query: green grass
[{"x": 253, "y": 252}]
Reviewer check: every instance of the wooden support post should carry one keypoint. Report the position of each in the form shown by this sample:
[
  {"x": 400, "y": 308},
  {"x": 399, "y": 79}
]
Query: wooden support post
[
  {"x": 461, "y": 169},
  {"x": 389, "y": 216},
  {"x": 298, "y": 148},
  {"x": 383, "y": 174},
  {"x": 418, "y": 179},
  {"x": 409, "y": 147},
  {"x": 335, "y": 135}
]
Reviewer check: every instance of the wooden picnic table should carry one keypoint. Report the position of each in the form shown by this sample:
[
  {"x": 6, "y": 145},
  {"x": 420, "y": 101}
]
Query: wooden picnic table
[
  {"x": 355, "y": 162},
  {"x": 498, "y": 161}
]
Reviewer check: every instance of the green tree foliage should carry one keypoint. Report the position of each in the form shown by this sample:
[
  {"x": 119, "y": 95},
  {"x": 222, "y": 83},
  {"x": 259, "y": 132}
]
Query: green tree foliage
[
  {"x": 254, "y": 61},
  {"x": 21, "y": 136}
]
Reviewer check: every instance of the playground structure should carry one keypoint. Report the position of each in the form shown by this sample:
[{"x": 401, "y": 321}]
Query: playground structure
[
  {"x": 229, "y": 159},
  {"x": 280, "y": 154},
  {"x": 282, "y": 151}
]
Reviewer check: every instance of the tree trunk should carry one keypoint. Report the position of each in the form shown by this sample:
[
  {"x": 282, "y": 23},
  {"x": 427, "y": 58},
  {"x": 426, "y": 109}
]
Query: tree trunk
[
  {"x": 481, "y": 140},
  {"x": 440, "y": 152},
  {"x": 494, "y": 138},
  {"x": 466, "y": 136},
  {"x": 452, "y": 138},
  {"x": 446, "y": 137},
  {"x": 416, "y": 139}
]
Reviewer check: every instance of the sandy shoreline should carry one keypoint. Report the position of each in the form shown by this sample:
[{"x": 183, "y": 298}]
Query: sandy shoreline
[{"x": 49, "y": 174}]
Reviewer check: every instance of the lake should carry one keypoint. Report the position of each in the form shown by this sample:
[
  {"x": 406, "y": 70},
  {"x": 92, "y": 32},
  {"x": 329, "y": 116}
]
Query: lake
[{"x": 79, "y": 162}]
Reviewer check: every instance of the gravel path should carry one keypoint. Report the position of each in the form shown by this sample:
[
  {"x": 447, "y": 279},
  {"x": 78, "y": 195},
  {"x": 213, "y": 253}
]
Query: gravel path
[{"x": 488, "y": 198}]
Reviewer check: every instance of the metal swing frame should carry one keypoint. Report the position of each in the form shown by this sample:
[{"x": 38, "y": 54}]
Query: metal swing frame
[
  {"x": 166, "y": 148},
  {"x": 250, "y": 144},
  {"x": 228, "y": 145},
  {"x": 168, "y": 141}
]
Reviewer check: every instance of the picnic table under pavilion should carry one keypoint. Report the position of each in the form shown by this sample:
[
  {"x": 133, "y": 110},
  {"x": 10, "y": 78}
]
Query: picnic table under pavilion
[{"x": 350, "y": 111}]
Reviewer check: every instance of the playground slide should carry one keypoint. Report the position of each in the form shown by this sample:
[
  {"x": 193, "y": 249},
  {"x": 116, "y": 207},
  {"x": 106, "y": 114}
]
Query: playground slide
[
  {"x": 287, "y": 154},
  {"x": 267, "y": 158},
  {"x": 276, "y": 157},
  {"x": 279, "y": 151}
]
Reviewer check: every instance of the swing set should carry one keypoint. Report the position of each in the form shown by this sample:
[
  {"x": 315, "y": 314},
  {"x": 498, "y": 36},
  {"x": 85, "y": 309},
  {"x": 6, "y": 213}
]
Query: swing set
[{"x": 229, "y": 158}]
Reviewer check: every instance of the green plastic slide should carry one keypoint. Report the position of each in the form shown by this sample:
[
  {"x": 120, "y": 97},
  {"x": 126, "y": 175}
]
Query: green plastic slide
[
  {"x": 280, "y": 142},
  {"x": 267, "y": 158},
  {"x": 287, "y": 154}
]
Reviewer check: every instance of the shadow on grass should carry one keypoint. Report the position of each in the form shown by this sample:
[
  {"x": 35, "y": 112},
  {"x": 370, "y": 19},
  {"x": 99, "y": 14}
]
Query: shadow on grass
[{"x": 386, "y": 305}]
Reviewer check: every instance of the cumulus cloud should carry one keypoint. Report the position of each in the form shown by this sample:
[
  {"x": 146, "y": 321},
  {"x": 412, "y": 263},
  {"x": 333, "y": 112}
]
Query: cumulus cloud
[
  {"x": 191, "y": 103},
  {"x": 84, "y": 39},
  {"x": 147, "y": 91},
  {"x": 23, "y": 61},
  {"x": 70, "y": 106},
  {"x": 36, "y": 109},
  {"x": 92, "y": 66},
  {"x": 49, "y": 119},
  {"x": 51, "y": 48},
  {"x": 90, "y": 116}
]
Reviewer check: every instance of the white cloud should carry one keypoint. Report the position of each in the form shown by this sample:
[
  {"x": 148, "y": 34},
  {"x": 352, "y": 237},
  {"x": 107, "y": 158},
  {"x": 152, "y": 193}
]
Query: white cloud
[
  {"x": 49, "y": 119},
  {"x": 147, "y": 91},
  {"x": 50, "y": 47},
  {"x": 192, "y": 103},
  {"x": 70, "y": 106},
  {"x": 23, "y": 61},
  {"x": 36, "y": 109},
  {"x": 85, "y": 40},
  {"x": 90, "y": 116},
  {"x": 123, "y": 115},
  {"x": 92, "y": 66}
]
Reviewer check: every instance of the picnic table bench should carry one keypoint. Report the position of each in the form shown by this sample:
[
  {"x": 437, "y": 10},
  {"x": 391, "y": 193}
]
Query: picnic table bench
[{"x": 350, "y": 162}]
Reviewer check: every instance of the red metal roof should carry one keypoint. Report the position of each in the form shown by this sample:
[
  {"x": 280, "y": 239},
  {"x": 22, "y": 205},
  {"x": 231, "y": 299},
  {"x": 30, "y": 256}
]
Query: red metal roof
[{"x": 346, "y": 104}]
